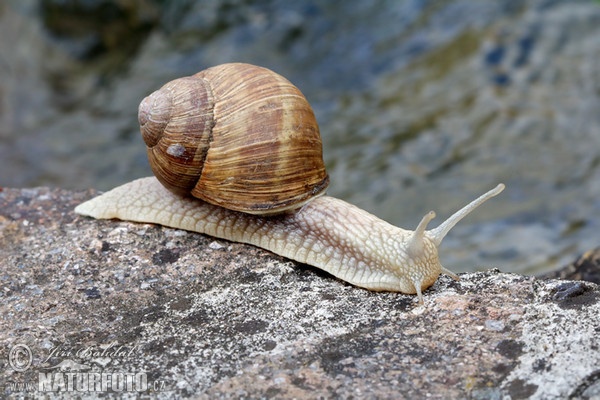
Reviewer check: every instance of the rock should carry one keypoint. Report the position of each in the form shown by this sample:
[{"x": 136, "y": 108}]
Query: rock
[
  {"x": 584, "y": 268},
  {"x": 184, "y": 317}
]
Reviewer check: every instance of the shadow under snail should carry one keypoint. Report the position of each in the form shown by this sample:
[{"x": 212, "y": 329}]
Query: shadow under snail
[{"x": 237, "y": 155}]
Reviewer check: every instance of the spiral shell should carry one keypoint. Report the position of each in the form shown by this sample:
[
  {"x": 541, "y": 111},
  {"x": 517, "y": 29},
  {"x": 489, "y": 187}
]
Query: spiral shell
[{"x": 236, "y": 135}]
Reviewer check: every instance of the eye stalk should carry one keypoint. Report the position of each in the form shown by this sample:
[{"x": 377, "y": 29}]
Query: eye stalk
[
  {"x": 417, "y": 250},
  {"x": 438, "y": 234}
]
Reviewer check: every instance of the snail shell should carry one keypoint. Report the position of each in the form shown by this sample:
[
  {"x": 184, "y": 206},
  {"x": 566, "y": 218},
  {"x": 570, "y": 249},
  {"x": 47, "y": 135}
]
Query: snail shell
[{"x": 237, "y": 136}]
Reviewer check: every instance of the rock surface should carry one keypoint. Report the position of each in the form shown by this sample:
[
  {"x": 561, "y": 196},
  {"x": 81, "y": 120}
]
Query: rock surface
[
  {"x": 207, "y": 317},
  {"x": 584, "y": 268}
]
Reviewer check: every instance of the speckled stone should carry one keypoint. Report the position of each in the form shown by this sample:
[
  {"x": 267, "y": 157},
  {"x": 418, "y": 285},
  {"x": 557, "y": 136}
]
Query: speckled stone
[{"x": 213, "y": 319}]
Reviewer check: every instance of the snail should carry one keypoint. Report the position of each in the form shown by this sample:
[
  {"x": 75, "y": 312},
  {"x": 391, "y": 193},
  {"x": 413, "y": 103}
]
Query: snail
[{"x": 237, "y": 154}]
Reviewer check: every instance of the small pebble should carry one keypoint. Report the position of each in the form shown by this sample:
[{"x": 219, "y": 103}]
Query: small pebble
[{"x": 216, "y": 245}]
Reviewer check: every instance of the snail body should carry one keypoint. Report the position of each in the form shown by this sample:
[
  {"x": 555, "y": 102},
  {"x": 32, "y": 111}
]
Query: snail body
[{"x": 303, "y": 225}]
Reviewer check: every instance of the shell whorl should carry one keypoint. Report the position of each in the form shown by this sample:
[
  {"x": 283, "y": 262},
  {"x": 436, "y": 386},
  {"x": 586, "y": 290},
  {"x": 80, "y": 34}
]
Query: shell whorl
[
  {"x": 235, "y": 135},
  {"x": 176, "y": 123}
]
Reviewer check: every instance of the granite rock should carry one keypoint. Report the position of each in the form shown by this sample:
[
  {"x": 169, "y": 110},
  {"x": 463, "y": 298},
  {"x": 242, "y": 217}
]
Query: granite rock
[{"x": 191, "y": 316}]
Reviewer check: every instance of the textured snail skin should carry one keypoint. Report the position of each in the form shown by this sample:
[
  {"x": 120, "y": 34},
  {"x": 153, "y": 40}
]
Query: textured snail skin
[{"x": 327, "y": 233}]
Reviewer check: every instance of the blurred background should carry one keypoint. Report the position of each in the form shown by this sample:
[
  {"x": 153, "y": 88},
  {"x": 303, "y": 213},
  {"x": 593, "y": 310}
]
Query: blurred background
[{"x": 423, "y": 105}]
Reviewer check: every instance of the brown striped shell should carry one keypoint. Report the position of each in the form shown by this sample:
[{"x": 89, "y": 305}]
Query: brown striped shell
[{"x": 237, "y": 136}]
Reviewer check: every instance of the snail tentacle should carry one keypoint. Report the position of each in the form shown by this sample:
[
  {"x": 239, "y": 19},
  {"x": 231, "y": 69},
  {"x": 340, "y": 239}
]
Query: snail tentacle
[{"x": 438, "y": 234}]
